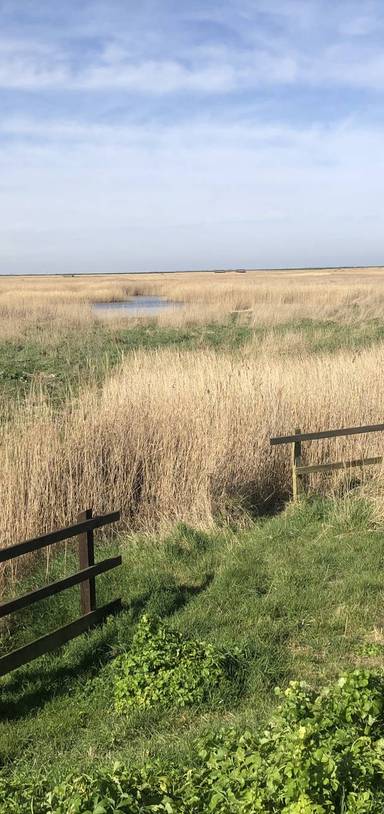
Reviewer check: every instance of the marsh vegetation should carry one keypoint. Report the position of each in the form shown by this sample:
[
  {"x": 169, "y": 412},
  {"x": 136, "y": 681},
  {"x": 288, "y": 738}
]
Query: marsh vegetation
[{"x": 169, "y": 419}]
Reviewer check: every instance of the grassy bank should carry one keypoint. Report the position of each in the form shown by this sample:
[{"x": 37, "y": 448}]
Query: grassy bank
[{"x": 299, "y": 595}]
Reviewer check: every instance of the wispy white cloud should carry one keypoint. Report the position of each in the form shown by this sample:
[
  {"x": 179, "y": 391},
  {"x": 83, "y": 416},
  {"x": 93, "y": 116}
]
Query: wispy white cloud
[
  {"x": 36, "y": 68},
  {"x": 336, "y": 66}
]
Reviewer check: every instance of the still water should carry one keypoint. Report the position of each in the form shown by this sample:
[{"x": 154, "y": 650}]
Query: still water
[{"x": 137, "y": 306}]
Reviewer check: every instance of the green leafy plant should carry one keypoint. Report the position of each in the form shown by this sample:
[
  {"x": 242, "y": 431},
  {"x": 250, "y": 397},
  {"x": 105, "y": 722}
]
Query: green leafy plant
[
  {"x": 322, "y": 753},
  {"x": 165, "y": 668}
]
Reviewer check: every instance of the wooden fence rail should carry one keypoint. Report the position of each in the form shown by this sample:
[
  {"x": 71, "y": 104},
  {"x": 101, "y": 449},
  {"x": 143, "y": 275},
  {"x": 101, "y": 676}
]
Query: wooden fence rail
[
  {"x": 85, "y": 577},
  {"x": 301, "y": 472}
]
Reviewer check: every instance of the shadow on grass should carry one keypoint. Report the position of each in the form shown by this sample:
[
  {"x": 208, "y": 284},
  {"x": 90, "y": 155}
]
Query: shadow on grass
[
  {"x": 30, "y": 687},
  {"x": 167, "y": 598}
]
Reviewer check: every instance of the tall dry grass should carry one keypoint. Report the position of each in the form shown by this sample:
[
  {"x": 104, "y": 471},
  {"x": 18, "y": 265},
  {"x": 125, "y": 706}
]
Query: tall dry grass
[{"x": 176, "y": 436}]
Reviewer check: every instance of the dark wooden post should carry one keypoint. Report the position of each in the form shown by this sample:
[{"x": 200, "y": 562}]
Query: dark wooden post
[
  {"x": 86, "y": 559},
  {"x": 296, "y": 461}
]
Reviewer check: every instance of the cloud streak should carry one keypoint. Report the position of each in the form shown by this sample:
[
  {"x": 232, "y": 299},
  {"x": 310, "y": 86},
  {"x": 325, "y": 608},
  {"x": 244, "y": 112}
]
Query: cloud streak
[{"x": 33, "y": 69}]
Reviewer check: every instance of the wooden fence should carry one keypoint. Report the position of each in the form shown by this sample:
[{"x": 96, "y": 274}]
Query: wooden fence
[
  {"x": 85, "y": 577},
  {"x": 301, "y": 472}
]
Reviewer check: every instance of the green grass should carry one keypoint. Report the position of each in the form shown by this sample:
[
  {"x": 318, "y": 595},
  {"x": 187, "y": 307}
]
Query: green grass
[
  {"x": 74, "y": 358},
  {"x": 300, "y": 594},
  {"x": 328, "y": 336}
]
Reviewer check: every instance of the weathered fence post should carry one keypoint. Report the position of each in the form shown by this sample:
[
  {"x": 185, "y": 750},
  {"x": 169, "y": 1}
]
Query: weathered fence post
[
  {"x": 296, "y": 461},
  {"x": 86, "y": 559}
]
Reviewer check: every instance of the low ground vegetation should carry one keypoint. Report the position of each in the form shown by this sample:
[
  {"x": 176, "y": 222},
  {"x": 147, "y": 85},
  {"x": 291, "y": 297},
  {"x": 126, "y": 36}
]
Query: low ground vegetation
[
  {"x": 165, "y": 668},
  {"x": 297, "y": 598},
  {"x": 320, "y": 754}
]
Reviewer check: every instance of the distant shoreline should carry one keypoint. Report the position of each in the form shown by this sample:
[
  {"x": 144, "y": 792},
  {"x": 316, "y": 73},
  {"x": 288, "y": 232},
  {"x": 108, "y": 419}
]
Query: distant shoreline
[{"x": 190, "y": 271}]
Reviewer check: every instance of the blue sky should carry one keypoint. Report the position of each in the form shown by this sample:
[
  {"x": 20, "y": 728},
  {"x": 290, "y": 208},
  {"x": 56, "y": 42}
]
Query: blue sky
[{"x": 177, "y": 135}]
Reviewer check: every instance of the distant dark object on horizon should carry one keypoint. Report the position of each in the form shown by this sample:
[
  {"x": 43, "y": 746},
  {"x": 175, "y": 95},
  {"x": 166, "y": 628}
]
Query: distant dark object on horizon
[{"x": 227, "y": 271}]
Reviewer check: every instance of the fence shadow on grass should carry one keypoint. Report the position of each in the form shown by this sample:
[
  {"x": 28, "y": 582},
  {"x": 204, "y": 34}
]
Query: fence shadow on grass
[
  {"x": 167, "y": 598},
  {"x": 30, "y": 687}
]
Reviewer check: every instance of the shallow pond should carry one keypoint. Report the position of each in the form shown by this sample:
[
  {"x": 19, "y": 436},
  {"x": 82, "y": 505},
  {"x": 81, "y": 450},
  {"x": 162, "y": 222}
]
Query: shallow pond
[{"x": 137, "y": 306}]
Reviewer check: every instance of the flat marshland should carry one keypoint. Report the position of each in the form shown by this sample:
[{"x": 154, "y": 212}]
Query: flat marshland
[{"x": 169, "y": 418}]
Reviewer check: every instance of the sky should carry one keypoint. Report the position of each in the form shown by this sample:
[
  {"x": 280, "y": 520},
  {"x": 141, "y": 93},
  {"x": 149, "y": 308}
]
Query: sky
[{"x": 185, "y": 134}]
